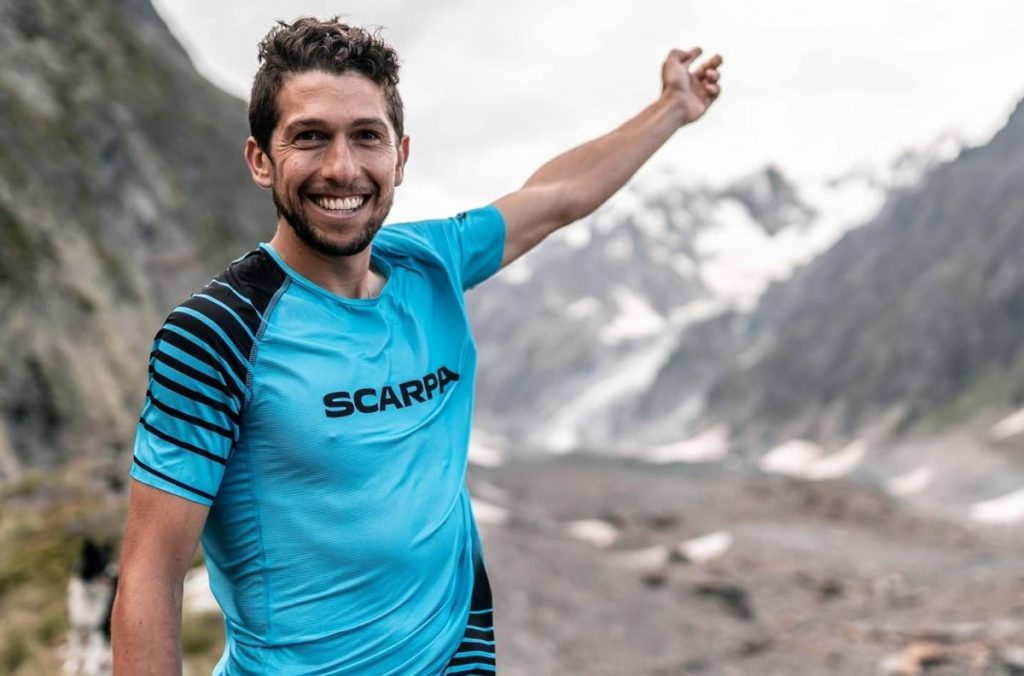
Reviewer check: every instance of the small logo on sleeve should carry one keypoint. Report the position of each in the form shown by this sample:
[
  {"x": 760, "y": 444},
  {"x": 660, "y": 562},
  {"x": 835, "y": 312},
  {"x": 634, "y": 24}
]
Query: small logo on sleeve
[{"x": 378, "y": 400}]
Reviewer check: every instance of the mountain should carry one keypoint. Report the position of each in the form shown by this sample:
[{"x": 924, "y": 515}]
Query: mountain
[
  {"x": 911, "y": 318},
  {"x": 573, "y": 336},
  {"x": 121, "y": 188}
]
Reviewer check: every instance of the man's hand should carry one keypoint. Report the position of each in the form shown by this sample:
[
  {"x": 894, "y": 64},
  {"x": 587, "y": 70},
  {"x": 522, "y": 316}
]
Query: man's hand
[
  {"x": 697, "y": 88},
  {"x": 575, "y": 183}
]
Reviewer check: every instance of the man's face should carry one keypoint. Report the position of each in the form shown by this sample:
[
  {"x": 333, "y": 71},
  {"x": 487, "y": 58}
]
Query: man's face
[{"x": 334, "y": 160}]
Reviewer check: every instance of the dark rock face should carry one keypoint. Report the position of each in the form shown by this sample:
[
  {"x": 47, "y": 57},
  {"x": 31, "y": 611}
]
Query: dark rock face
[
  {"x": 916, "y": 311},
  {"x": 122, "y": 188}
]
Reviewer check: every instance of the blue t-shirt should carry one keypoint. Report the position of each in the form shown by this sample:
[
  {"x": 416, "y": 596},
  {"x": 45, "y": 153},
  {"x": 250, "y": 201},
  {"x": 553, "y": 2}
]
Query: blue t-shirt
[{"x": 329, "y": 437}]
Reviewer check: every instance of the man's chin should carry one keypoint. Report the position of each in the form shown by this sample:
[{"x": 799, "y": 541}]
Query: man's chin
[
  {"x": 322, "y": 243},
  {"x": 329, "y": 247}
]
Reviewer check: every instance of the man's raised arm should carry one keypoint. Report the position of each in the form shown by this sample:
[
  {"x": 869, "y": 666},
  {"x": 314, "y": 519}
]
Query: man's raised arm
[{"x": 575, "y": 183}]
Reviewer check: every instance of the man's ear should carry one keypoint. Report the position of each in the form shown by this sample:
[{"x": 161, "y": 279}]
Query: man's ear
[
  {"x": 260, "y": 165},
  {"x": 403, "y": 157}
]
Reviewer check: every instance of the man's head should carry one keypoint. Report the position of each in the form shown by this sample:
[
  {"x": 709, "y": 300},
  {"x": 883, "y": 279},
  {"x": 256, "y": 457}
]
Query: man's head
[
  {"x": 331, "y": 46},
  {"x": 327, "y": 138}
]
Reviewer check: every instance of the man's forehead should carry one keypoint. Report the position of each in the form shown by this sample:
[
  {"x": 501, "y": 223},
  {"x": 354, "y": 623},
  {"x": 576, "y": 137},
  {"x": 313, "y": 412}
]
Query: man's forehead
[{"x": 330, "y": 96}]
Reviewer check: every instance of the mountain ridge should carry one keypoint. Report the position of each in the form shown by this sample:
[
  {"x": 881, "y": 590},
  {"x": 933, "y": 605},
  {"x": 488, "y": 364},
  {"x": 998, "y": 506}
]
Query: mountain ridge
[{"x": 116, "y": 201}]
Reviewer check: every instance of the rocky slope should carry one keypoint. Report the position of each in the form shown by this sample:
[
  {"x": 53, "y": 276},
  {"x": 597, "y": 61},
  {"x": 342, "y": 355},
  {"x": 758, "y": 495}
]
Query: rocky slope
[
  {"x": 916, "y": 317},
  {"x": 572, "y": 336},
  {"x": 605, "y": 567},
  {"x": 121, "y": 188}
]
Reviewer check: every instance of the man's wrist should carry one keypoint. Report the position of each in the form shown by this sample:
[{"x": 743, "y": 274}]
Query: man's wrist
[{"x": 674, "y": 102}]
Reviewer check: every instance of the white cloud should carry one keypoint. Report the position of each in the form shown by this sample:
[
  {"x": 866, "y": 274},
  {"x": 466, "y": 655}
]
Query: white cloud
[{"x": 494, "y": 89}]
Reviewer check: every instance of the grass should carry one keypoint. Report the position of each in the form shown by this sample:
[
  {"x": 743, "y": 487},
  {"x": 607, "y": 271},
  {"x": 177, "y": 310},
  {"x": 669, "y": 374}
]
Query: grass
[
  {"x": 994, "y": 390},
  {"x": 45, "y": 517}
]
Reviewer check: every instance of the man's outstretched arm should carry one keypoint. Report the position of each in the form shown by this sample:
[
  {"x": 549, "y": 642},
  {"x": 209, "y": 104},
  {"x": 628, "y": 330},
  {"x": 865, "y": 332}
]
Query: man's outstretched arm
[{"x": 575, "y": 183}]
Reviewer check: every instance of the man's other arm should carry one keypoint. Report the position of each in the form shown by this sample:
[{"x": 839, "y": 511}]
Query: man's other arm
[
  {"x": 575, "y": 183},
  {"x": 161, "y": 537}
]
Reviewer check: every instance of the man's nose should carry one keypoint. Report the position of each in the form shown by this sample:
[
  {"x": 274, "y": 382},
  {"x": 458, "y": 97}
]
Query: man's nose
[{"x": 339, "y": 163}]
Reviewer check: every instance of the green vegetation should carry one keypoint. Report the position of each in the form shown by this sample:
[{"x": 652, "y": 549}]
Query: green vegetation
[
  {"x": 45, "y": 517},
  {"x": 994, "y": 390},
  {"x": 202, "y": 633}
]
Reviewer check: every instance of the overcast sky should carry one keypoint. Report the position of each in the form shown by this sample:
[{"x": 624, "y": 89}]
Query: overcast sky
[{"x": 493, "y": 89}]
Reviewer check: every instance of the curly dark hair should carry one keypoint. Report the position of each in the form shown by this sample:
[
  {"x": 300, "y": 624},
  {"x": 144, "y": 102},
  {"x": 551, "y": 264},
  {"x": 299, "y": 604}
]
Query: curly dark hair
[{"x": 313, "y": 44}]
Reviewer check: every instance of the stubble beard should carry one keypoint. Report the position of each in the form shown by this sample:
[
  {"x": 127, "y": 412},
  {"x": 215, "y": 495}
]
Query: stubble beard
[{"x": 318, "y": 241}]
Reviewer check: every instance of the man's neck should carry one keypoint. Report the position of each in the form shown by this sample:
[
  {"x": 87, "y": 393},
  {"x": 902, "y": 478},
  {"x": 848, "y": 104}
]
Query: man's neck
[{"x": 345, "y": 276}]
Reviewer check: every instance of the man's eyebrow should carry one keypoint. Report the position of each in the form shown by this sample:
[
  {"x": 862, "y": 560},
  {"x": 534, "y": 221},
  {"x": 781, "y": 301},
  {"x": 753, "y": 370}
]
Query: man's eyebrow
[
  {"x": 370, "y": 122},
  {"x": 304, "y": 122},
  {"x": 307, "y": 122}
]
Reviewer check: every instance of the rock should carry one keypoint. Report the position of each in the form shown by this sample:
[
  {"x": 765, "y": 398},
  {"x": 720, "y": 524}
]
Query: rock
[
  {"x": 914, "y": 659},
  {"x": 733, "y": 597},
  {"x": 1012, "y": 659}
]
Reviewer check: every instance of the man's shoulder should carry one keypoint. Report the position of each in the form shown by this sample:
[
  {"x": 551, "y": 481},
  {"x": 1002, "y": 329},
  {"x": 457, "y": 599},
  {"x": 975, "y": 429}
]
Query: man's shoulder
[
  {"x": 227, "y": 312},
  {"x": 437, "y": 234},
  {"x": 412, "y": 239}
]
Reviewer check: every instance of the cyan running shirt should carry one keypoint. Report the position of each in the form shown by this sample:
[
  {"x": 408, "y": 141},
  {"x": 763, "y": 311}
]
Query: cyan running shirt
[{"x": 329, "y": 437}]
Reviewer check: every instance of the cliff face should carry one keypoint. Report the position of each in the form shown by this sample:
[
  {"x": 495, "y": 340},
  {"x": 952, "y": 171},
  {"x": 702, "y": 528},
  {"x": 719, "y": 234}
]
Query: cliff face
[
  {"x": 919, "y": 313},
  {"x": 122, "y": 188}
]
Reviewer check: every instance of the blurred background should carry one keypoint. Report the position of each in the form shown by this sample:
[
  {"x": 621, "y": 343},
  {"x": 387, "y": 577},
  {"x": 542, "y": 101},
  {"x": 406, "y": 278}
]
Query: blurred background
[{"x": 763, "y": 413}]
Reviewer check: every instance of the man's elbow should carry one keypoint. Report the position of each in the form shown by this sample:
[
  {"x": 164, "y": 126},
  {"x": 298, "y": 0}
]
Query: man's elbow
[
  {"x": 567, "y": 203},
  {"x": 141, "y": 596}
]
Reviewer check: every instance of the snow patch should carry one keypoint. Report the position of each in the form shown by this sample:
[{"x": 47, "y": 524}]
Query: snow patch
[
  {"x": 588, "y": 306},
  {"x": 636, "y": 318},
  {"x": 840, "y": 463},
  {"x": 628, "y": 376},
  {"x": 1010, "y": 426},
  {"x": 517, "y": 273},
  {"x": 684, "y": 266},
  {"x": 599, "y": 533},
  {"x": 708, "y": 446},
  {"x": 706, "y": 547},
  {"x": 909, "y": 483},
  {"x": 488, "y": 514},
  {"x": 792, "y": 458},
  {"x": 739, "y": 259},
  {"x": 806, "y": 460},
  {"x": 485, "y": 450},
  {"x": 619, "y": 249},
  {"x": 490, "y": 492},
  {"x": 577, "y": 236},
  {"x": 695, "y": 311},
  {"x": 1006, "y": 509},
  {"x": 652, "y": 222}
]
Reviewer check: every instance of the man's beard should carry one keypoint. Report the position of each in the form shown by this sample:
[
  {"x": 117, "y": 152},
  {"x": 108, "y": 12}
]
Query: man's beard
[{"x": 317, "y": 241}]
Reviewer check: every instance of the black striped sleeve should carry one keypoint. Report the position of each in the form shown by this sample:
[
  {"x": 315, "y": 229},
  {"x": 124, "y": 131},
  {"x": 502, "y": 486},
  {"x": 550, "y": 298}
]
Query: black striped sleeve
[{"x": 199, "y": 374}]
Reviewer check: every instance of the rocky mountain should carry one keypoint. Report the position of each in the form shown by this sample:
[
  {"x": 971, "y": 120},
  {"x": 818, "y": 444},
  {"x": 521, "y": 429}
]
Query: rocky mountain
[
  {"x": 121, "y": 187},
  {"x": 916, "y": 317},
  {"x": 573, "y": 336}
]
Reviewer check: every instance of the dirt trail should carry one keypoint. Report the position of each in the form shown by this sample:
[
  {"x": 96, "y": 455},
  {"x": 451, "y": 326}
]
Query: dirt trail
[{"x": 817, "y": 577}]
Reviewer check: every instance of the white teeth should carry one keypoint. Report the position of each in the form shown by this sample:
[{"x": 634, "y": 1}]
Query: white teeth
[{"x": 341, "y": 203}]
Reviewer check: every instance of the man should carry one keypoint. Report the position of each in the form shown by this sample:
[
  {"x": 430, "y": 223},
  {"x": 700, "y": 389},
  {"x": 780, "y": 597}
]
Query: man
[{"x": 308, "y": 411}]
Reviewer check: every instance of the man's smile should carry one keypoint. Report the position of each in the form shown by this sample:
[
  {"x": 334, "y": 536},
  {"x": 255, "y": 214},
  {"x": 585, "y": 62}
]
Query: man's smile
[{"x": 337, "y": 205}]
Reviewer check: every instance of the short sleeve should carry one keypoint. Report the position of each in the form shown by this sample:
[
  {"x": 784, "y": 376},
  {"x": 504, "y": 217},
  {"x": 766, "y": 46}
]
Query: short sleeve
[
  {"x": 471, "y": 244},
  {"x": 197, "y": 381}
]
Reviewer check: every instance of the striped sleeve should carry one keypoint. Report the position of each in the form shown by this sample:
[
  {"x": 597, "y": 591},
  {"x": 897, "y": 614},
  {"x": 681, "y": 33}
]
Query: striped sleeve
[{"x": 198, "y": 375}]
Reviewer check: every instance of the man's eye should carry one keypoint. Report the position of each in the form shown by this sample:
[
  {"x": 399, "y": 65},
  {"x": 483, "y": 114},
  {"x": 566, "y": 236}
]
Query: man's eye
[
  {"x": 368, "y": 135},
  {"x": 308, "y": 135}
]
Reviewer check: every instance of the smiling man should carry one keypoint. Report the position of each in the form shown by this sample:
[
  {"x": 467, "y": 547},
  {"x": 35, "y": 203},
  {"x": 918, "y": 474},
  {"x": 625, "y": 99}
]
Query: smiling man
[{"x": 308, "y": 411}]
